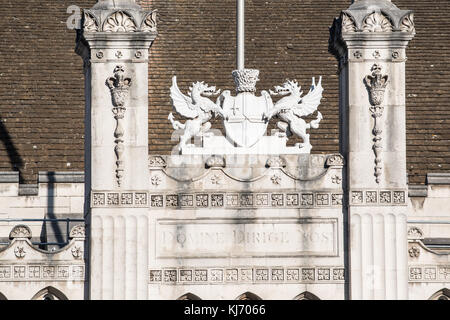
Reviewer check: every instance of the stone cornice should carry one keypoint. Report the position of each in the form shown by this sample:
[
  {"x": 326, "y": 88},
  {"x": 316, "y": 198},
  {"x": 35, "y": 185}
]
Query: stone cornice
[
  {"x": 61, "y": 177},
  {"x": 438, "y": 178}
]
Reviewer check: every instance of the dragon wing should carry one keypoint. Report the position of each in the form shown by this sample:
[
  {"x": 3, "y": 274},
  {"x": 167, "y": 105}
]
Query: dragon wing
[
  {"x": 182, "y": 103},
  {"x": 311, "y": 101}
]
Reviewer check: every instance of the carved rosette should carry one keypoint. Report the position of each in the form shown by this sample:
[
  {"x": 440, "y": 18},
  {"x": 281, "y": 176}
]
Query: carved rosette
[
  {"x": 377, "y": 22},
  {"x": 376, "y": 85},
  {"x": 246, "y": 79},
  {"x": 120, "y": 22},
  {"x": 119, "y": 87}
]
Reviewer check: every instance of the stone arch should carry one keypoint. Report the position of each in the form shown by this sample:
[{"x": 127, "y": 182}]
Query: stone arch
[
  {"x": 443, "y": 294},
  {"x": 49, "y": 293},
  {"x": 306, "y": 296},
  {"x": 248, "y": 296},
  {"x": 2, "y": 297},
  {"x": 189, "y": 296}
]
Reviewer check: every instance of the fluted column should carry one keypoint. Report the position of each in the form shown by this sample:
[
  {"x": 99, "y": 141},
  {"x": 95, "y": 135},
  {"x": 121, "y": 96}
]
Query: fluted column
[
  {"x": 114, "y": 41},
  {"x": 370, "y": 40}
]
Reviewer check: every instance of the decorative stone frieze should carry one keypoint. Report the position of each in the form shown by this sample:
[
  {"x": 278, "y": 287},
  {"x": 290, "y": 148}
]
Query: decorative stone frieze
[
  {"x": 124, "y": 199},
  {"x": 378, "y": 197},
  {"x": 429, "y": 273},
  {"x": 288, "y": 200},
  {"x": 253, "y": 274},
  {"x": 41, "y": 271}
]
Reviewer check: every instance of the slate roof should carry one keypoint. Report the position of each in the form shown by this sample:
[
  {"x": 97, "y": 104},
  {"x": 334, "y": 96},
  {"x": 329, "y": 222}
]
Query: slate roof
[{"x": 42, "y": 85}]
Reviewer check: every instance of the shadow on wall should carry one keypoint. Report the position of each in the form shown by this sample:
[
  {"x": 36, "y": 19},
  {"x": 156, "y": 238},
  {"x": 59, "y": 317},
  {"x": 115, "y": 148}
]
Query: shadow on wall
[
  {"x": 15, "y": 159},
  {"x": 54, "y": 226}
]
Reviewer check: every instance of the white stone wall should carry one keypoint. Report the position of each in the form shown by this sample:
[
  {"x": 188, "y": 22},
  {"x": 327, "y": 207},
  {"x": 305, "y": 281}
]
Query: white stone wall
[
  {"x": 60, "y": 199},
  {"x": 429, "y": 226},
  {"x": 27, "y": 272}
]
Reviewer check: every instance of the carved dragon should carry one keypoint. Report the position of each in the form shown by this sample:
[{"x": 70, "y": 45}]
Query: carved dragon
[
  {"x": 292, "y": 107},
  {"x": 197, "y": 107}
]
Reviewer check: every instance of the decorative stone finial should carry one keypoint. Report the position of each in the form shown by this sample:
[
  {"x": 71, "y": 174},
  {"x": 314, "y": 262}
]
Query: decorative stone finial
[
  {"x": 119, "y": 86},
  {"x": 377, "y": 85},
  {"x": 246, "y": 79},
  {"x": 20, "y": 231}
]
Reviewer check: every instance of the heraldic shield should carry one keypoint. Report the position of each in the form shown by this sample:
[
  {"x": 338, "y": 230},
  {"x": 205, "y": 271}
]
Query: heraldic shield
[{"x": 246, "y": 123}]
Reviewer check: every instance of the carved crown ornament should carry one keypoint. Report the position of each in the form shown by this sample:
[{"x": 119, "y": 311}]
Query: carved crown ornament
[
  {"x": 119, "y": 85},
  {"x": 120, "y": 21},
  {"x": 376, "y": 85}
]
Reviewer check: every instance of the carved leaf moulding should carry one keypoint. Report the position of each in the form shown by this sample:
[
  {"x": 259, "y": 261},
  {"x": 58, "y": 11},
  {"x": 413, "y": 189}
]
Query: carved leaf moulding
[
  {"x": 253, "y": 274},
  {"x": 377, "y": 21},
  {"x": 120, "y": 21}
]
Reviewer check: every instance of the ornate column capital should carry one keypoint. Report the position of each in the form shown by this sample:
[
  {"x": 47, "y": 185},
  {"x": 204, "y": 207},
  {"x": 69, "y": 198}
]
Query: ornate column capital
[
  {"x": 120, "y": 23},
  {"x": 369, "y": 20}
]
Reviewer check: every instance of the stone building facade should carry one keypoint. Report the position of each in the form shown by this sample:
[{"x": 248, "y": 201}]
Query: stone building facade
[{"x": 331, "y": 201}]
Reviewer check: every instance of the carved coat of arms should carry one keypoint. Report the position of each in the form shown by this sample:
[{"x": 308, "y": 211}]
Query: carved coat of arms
[{"x": 246, "y": 116}]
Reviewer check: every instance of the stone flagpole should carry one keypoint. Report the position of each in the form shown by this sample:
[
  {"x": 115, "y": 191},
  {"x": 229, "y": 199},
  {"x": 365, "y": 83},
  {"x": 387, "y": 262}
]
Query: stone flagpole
[
  {"x": 113, "y": 41},
  {"x": 369, "y": 39}
]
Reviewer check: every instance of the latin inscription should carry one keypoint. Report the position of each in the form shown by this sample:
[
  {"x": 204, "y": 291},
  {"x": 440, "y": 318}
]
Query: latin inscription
[{"x": 206, "y": 238}]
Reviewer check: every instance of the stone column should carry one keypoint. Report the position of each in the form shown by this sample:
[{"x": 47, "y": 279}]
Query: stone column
[
  {"x": 370, "y": 40},
  {"x": 114, "y": 40}
]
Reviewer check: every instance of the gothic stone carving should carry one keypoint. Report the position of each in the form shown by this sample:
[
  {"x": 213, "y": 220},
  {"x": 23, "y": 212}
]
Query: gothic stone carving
[
  {"x": 376, "y": 84},
  {"x": 77, "y": 232},
  {"x": 119, "y": 199},
  {"x": 290, "y": 111},
  {"x": 119, "y": 87},
  {"x": 156, "y": 162},
  {"x": 196, "y": 106},
  {"x": 243, "y": 126},
  {"x": 215, "y": 162},
  {"x": 20, "y": 231}
]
